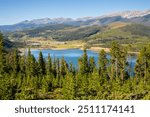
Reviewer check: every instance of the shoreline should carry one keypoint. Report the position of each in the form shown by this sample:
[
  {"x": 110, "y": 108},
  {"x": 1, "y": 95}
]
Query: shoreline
[{"x": 95, "y": 49}]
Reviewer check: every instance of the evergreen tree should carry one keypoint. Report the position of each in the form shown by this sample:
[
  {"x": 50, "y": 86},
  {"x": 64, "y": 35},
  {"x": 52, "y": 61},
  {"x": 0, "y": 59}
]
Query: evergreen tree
[
  {"x": 142, "y": 68},
  {"x": 69, "y": 87},
  {"x": 49, "y": 65},
  {"x": 63, "y": 67},
  {"x": 58, "y": 77},
  {"x": 33, "y": 66},
  {"x": 41, "y": 64},
  {"x": 83, "y": 63},
  {"x": 103, "y": 64},
  {"x": 92, "y": 65},
  {"x": 6, "y": 88},
  {"x": 54, "y": 68},
  {"x": 22, "y": 65},
  {"x": 72, "y": 69},
  {"x": 2, "y": 56},
  {"x": 28, "y": 62},
  {"x": 94, "y": 84},
  {"x": 118, "y": 61},
  {"x": 15, "y": 62}
]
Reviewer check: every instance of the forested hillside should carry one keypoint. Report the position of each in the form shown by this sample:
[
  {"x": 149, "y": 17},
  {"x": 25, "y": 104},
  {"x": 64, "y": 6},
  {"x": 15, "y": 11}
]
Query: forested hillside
[
  {"x": 24, "y": 77},
  {"x": 124, "y": 33},
  {"x": 136, "y": 35},
  {"x": 55, "y": 32}
]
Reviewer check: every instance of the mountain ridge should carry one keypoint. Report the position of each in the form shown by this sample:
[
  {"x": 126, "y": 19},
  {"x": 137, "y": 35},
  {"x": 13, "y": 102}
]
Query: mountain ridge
[
  {"x": 123, "y": 14},
  {"x": 141, "y": 17}
]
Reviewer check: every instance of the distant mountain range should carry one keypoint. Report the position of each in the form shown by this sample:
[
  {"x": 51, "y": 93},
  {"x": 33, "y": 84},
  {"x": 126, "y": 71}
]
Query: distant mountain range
[{"x": 140, "y": 17}]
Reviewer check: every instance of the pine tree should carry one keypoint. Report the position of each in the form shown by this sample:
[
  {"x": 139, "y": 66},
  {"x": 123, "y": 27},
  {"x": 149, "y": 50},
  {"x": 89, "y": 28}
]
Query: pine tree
[
  {"x": 103, "y": 64},
  {"x": 63, "y": 67},
  {"x": 2, "y": 57},
  {"x": 41, "y": 64},
  {"x": 118, "y": 61},
  {"x": 6, "y": 88},
  {"x": 28, "y": 62},
  {"x": 94, "y": 83},
  {"x": 22, "y": 65},
  {"x": 15, "y": 62},
  {"x": 54, "y": 68},
  {"x": 72, "y": 69},
  {"x": 115, "y": 51},
  {"x": 69, "y": 87},
  {"x": 31, "y": 65},
  {"x": 142, "y": 68},
  {"x": 58, "y": 78},
  {"x": 83, "y": 63},
  {"x": 92, "y": 65},
  {"x": 49, "y": 65}
]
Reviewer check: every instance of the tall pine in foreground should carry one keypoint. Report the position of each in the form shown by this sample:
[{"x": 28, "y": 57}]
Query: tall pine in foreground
[
  {"x": 49, "y": 65},
  {"x": 16, "y": 62},
  {"x": 118, "y": 62},
  {"x": 2, "y": 57},
  {"x": 7, "y": 90},
  {"x": 83, "y": 63},
  {"x": 102, "y": 64},
  {"x": 41, "y": 64},
  {"x": 142, "y": 68}
]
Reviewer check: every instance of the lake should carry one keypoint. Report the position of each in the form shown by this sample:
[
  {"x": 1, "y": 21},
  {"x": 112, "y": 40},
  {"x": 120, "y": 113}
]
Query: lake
[{"x": 72, "y": 55}]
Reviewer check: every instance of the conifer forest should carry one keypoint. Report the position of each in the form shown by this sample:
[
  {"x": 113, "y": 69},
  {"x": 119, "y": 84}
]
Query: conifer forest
[{"x": 23, "y": 77}]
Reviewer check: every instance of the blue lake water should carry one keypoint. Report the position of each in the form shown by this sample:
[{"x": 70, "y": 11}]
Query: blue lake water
[{"x": 72, "y": 55}]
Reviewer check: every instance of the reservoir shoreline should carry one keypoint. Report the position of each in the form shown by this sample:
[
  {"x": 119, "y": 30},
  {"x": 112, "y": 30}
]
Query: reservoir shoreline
[{"x": 94, "y": 49}]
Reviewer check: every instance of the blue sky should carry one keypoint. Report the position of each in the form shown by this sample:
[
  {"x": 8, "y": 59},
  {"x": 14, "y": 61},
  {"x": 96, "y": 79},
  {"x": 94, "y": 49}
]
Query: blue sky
[{"x": 14, "y": 11}]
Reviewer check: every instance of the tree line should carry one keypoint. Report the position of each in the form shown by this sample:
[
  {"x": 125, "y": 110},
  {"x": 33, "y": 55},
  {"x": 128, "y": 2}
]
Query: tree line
[{"x": 25, "y": 77}]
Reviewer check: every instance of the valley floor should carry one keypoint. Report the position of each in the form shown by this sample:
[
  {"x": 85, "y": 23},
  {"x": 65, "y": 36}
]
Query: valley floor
[{"x": 57, "y": 45}]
